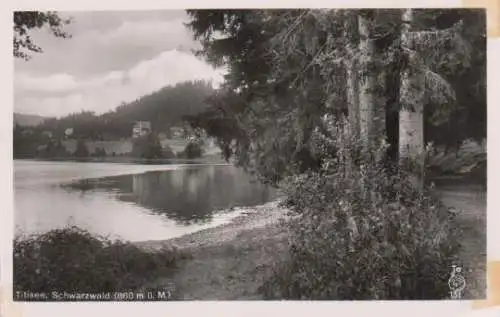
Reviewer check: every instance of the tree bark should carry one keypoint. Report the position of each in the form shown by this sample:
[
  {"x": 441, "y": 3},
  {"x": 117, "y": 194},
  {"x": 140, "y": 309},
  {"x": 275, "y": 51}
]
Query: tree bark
[
  {"x": 372, "y": 114},
  {"x": 351, "y": 67},
  {"x": 411, "y": 118}
]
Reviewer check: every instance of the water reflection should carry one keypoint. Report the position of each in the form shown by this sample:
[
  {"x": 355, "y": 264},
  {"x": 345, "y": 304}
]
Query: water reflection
[{"x": 189, "y": 195}]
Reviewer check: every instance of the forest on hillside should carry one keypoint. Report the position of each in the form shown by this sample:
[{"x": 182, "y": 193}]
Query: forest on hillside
[{"x": 165, "y": 109}]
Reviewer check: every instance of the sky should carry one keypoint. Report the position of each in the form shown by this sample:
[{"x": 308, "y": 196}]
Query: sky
[{"x": 111, "y": 57}]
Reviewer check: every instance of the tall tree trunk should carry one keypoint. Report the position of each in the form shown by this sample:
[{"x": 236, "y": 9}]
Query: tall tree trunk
[
  {"x": 351, "y": 66},
  {"x": 352, "y": 86},
  {"x": 411, "y": 118},
  {"x": 372, "y": 114}
]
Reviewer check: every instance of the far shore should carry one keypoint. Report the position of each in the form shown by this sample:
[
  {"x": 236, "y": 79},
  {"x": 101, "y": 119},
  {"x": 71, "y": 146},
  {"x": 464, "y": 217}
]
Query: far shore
[{"x": 209, "y": 159}]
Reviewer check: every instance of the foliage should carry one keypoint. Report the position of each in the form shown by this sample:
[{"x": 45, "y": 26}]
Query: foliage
[
  {"x": 166, "y": 107},
  {"x": 468, "y": 81},
  {"x": 282, "y": 81},
  {"x": 100, "y": 152},
  {"x": 148, "y": 147},
  {"x": 167, "y": 152},
  {"x": 360, "y": 231},
  {"x": 73, "y": 260},
  {"x": 192, "y": 150},
  {"x": 26, "y": 142},
  {"x": 25, "y": 21},
  {"x": 81, "y": 149},
  {"x": 256, "y": 101},
  {"x": 53, "y": 149}
]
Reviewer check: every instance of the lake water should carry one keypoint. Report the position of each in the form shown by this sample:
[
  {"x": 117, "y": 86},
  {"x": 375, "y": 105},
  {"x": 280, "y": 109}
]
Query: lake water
[{"x": 132, "y": 202}]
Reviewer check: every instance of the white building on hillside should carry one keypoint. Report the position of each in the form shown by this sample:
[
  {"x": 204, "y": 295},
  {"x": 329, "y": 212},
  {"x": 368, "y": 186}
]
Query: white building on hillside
[{"x": 141, "y": 128}]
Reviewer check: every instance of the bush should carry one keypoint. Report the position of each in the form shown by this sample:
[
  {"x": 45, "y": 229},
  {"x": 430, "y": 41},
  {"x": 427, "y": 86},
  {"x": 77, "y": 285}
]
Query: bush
[
  {"x": 100, "y": 152},
  {"x": 148, "y": 147},
  {"x": 73, "y": 260},
  {"x": 81, "y": 149},
  {"x": 361, "y": 231},
  {"x": 54, "y": 149},
  {"x": 168, "y": 152},
  {"x": 192, "y": 150}
]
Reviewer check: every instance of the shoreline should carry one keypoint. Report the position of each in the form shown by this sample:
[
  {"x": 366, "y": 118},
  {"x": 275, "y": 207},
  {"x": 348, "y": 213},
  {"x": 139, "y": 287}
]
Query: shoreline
[
  {"x": 253, "y": 217},
  {"x": 228, "y": 262},
  {"x": 131, "y": 160}
]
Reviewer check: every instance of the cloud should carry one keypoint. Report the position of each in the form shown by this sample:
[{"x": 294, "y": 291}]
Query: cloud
[
  {"x": 52, "y": 83},
  {"x": 61, "y": 94},
  {"x": 112, "y": 57},
  {"x": 98, "y": 45},
  {"x": 52, "y": 106}
]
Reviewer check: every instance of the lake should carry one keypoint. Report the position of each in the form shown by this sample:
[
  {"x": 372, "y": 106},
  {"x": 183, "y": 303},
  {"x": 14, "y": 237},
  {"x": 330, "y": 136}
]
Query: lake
[{"x": 132, "y": 202}]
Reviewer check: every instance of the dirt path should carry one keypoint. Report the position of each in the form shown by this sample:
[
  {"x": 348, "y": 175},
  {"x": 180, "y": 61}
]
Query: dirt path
[{"x": 471, "y": 200}]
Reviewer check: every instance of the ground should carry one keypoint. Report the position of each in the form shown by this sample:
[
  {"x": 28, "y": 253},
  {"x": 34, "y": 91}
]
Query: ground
[{"x": 230, "y": 262}]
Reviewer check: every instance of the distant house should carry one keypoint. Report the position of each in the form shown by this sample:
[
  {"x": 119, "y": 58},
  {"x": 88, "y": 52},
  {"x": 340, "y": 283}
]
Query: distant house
[
  {"x": 68, "y": 132},
  {"x": 141, "y": 128}
]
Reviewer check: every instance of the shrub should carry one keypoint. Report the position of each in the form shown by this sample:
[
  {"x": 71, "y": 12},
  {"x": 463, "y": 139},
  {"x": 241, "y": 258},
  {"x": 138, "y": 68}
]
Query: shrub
[
  {"x": 148, "y": 147},
  {"x": 73, "y": 260},
  {"x": 81, "y": 149},
  {"x": 361, "y": 231},
  {"x": 100, "y": 152},
  {"x": 192, "y": 150},
  {"x": 168, "y": 152},
  {"x": 54, "y": 149}
]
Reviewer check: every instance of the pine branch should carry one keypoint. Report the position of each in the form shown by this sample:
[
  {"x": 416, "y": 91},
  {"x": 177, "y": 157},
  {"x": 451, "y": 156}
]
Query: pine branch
[
  {"x": 293, "y": 26},
  {"x": 437, "y": 47},
  {"x": 438, "y": 90}
]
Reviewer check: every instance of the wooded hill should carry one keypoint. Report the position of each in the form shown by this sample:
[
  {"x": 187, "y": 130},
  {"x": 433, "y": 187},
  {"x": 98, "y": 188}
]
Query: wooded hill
[{"x": 164, "y": 108}]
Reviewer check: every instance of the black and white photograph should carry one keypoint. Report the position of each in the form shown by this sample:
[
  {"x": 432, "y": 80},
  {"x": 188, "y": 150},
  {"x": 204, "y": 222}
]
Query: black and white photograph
[{"x": 249, "y": 154}]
